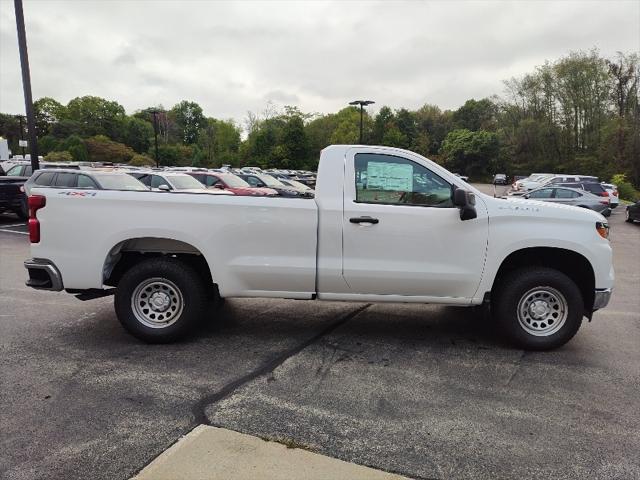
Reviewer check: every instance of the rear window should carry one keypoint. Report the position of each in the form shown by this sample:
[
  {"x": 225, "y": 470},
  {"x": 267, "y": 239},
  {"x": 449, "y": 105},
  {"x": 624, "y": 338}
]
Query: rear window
[
  {"x": 594, "y": 187},
  {"x": 86, "y": 182}
]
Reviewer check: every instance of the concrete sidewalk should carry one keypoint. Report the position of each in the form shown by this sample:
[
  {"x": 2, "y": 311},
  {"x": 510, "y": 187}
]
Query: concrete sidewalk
[{"x": 210, "y": 453}]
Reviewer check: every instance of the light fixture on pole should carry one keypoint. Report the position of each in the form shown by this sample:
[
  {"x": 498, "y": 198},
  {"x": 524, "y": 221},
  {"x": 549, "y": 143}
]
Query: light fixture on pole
[{"x": 362, "y": 103}]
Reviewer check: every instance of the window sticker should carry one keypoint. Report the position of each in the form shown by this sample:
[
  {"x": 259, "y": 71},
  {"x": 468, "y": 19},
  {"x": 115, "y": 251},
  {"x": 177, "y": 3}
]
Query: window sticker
[{"x": 389, "y": 176}]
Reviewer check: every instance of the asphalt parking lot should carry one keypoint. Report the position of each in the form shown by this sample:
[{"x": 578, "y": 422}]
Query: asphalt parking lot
[{"x": 425, "y": 391}]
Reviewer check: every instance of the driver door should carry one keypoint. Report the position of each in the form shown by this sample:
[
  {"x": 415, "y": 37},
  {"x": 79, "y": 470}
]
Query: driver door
[{"x": 402, "y": 235}]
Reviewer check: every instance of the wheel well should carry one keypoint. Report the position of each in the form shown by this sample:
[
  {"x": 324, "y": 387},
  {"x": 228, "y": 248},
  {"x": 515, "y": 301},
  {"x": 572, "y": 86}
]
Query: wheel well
[
  {"x": 572, "y": 264},
  {"x": 130, "y": 252}
]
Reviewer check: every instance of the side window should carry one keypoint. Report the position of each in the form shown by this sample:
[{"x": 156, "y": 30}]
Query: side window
[
  {"x": 542, "y": 193},
  {"x": 86, "y": 182},
  {"x": 67, "y": 180},
  {"x": 595, "y": 188},
  {"x": 28, "y": 170},
  {"x": 211, "y": 180},
  {"x": 564, "y": 193},
  {"x": 45, "y": 179},
  {"x": 146, "y": 179},
  {"x": 157, "y": 180},
  {"x": 253, "y": 181},
  {"x": 395, "y": 180}
]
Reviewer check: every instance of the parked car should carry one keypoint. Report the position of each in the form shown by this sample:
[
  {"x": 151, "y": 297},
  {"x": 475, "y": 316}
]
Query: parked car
[
  {"x": 571, "y": 196},
  {"x": 500, "y": 179},
  {"x": 25, "y": 170},
  {"x": 12, "y": 196},
  {"x": 263, "y": 180},
  {"x": 558, "y": 179},
  {"x": 594, "y": 188},
  {"x": 542, "y": 267},
  {"x": 83, "y": 180},
  {"x": 632, "y": 212},
  {"x": 174, "y": 181},
  {"x": 612, "y": 190},
  {"x": 232, "y": 183},
  {"x": 301, "y": 187},
  {"x": 532, "y": 182}
]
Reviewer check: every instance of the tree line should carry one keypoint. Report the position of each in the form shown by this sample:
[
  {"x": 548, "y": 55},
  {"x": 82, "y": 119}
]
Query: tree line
[{"x": 578, "y": 114}]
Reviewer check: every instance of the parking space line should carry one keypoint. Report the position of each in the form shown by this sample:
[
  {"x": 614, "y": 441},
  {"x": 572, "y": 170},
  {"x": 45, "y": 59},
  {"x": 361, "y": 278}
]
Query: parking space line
[{"x": 13, "y": 231}]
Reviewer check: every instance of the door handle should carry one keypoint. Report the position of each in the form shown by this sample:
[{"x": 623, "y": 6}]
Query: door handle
[{"x": 364, "y": 220}]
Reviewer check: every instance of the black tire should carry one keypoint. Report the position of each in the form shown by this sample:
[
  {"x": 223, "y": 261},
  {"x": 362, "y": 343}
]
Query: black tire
[
  {"x": 523, "y": 284},
  {"x": 184, "y": 290},
  {"x": 627, "y": 216}
]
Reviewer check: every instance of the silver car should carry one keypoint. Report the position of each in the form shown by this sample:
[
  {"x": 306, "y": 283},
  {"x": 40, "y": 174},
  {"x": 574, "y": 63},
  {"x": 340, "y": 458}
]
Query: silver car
[{"x": 571, "y": 196}]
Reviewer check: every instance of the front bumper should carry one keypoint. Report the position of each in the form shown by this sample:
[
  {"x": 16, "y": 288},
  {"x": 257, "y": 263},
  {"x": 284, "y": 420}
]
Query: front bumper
[
  {"x": 43, "y": 275},
  {"x": 601, "y": 298}
]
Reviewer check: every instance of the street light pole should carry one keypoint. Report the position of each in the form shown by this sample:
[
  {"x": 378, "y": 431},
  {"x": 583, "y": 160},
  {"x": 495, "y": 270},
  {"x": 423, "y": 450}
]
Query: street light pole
[
  {"x": 26, "y": 85},
  {"x": 155, "y": 132},
  {"x": 362, "y": 103}
]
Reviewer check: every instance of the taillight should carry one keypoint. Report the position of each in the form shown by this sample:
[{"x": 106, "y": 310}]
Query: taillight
[
  {"x": 615, "y": 193},
  {"x": 603, "y": 229},
  {"x": 604, "y": 194},
  {"x": 605, "y": 202},
  {"x": 36, "y": 202}
]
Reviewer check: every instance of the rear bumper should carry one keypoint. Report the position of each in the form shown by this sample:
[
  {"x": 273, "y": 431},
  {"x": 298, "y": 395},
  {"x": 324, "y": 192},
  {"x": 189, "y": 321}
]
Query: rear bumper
[
  {"x": 601, "y": 298},
  {"x": 43, "y": 275}
]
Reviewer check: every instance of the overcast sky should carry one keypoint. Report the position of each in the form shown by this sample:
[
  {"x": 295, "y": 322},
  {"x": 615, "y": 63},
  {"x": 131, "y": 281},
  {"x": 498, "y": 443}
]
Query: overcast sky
[{"x": 231, "y": 57}]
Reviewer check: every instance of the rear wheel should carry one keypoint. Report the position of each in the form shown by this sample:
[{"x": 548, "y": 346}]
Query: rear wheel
[
  {"x": 538, "y": 308},
  {"x": 627, "y": 216},
  {"x": 160, "y": 300}
]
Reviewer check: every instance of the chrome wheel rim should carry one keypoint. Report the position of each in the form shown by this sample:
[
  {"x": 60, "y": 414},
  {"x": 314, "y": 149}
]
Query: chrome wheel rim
[
  {"x": 157, "y": 303},
  {"x": 542, "y": 311}
]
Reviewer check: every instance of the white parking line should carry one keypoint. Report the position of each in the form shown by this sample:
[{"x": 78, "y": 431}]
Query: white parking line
[
  {"x": 13, "y": 231},
  {"x": 15, "y": 225}
]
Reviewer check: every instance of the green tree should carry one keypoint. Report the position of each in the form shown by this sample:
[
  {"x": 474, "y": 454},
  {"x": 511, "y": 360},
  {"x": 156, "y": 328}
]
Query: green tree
[
  {"x": 471, "y": 153},
  {"x": 47, "y": 112},
  {"x": 138, "y": 134},
  {"x": 476, "y": 115},
  {"x": 97, "y": 116},
  {"x": 189, "y": 119}
]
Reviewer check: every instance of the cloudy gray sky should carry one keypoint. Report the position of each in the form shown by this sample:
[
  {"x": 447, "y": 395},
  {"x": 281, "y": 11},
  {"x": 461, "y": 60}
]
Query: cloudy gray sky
[{"x": 232, "y": 57}]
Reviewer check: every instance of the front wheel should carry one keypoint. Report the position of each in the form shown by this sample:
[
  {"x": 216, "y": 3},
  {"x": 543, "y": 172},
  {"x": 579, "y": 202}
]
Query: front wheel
[
  {"x": 538, "y": 308},
  {"x": 160, "y": 300}
]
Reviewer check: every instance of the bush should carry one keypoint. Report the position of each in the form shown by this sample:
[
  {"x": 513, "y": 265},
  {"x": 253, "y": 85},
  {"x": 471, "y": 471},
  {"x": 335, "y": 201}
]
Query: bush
[
  {"x": 63, "y": 156},
  {"x": 102, "y": 149},
  {"x": 625, "y": 188},
  {"x": 142, "y": 161}
]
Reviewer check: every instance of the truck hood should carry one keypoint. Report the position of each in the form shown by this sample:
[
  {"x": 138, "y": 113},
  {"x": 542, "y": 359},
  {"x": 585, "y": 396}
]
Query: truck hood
[{"x": 520, "y": 207}]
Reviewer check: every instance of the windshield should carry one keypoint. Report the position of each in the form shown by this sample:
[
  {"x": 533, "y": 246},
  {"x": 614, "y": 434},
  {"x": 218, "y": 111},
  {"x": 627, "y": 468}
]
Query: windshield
[
  {"x": 120, "y": 182},
  {"x": 233, "y": 181},
  {"x": 182, "y": 182},
  {"x": 270, "y": 181}
]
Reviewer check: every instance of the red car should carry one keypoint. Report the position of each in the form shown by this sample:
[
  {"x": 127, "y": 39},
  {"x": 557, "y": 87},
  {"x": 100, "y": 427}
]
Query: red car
[{"x": 231, "y": 182}]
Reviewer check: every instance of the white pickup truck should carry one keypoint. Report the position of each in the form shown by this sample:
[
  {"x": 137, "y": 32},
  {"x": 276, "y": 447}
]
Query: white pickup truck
[{"x": 386, "y": 225}]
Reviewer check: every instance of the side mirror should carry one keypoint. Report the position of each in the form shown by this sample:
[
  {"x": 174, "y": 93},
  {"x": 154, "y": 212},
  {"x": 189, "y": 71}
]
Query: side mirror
[
  {"x": 465, "y": 201},
  {"x": 219, "y": 186},
  {"x": 164, "y": 187},
  {"x": 526, "y": 196}
]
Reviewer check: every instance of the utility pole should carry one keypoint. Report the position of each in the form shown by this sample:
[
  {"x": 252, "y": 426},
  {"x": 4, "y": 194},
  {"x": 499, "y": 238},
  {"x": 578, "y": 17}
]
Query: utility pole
[
  {"x": 362, "y": 103},
  {"x": 26, "y": 85}
]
